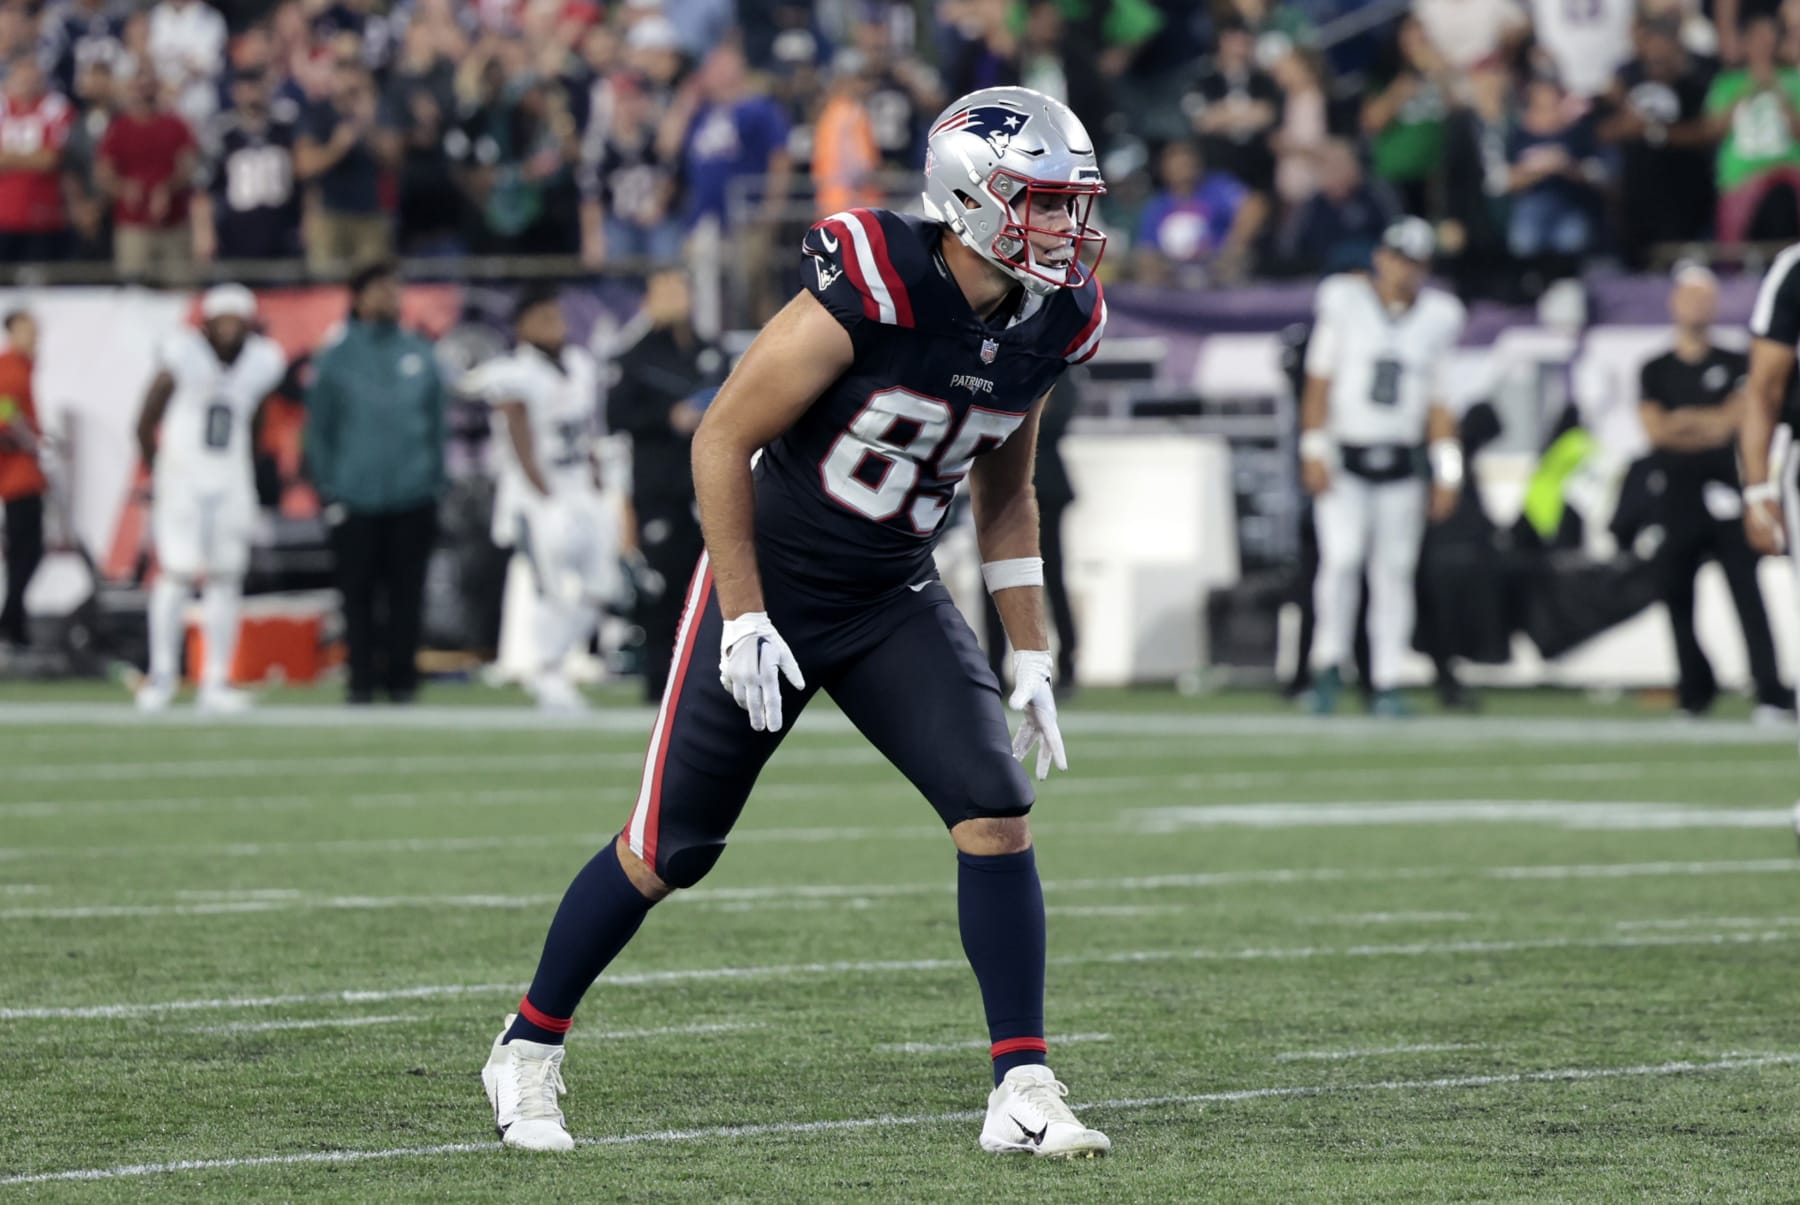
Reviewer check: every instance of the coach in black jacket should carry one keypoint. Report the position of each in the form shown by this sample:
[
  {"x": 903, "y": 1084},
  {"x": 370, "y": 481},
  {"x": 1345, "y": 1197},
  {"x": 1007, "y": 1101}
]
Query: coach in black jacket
[{"x": 664, "y": 380}]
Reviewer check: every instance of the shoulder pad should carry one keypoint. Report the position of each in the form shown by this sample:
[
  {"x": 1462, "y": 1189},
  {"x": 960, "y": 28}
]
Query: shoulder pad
[
  {"x": 865, "y": 264},
  {"x": 1449, "y": 310},
  {"x": 1332, "y": 291},
  {"x": 1087, "y": 307}
]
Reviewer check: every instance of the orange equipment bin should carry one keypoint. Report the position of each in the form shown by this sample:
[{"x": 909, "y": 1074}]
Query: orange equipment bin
[{"x": 281, "y": 638}]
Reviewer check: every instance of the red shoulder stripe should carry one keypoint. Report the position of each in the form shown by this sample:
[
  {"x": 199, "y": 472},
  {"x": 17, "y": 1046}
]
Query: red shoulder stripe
[
  {"x": 1093, "y": 324},
  {"x": 903, "y": 314}
]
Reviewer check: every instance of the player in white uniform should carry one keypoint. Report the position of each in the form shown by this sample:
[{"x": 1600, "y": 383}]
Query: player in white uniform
[
  {"x": 548, "y": 505},
  {"x": 195, "y": 432},
  {"x": 1373, "y": 397}
]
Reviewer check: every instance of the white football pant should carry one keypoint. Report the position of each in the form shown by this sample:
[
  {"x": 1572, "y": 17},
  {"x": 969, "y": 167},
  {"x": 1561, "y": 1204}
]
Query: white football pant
[
  {"x": 573, "y": 547},
  {"x": 198, "y": 535},
  {"x": 1380, "y": 526}
]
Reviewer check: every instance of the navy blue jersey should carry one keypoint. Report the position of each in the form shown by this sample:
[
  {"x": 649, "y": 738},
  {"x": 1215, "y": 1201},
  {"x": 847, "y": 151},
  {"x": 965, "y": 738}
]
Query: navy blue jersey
[
  {"x": 256, "y": 204},
  {"x": 852, "y": 498}
]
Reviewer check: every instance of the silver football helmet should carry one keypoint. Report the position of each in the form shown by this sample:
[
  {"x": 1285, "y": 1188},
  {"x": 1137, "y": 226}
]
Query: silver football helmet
[{"x": 1011, "y": 172}]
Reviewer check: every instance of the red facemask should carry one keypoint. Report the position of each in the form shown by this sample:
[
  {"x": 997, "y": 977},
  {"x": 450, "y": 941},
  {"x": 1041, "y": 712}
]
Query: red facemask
[{"x": 1024, "y": 196}]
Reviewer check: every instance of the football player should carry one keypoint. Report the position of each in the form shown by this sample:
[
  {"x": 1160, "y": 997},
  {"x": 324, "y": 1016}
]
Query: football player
[
  {"x": 195, "y": 431},
  {"x": 918, "y": 354},
  {"x": 548, "y": 506},
  {"x": 1771, "y": 416},
  {"x": 1374, "y": 396}
]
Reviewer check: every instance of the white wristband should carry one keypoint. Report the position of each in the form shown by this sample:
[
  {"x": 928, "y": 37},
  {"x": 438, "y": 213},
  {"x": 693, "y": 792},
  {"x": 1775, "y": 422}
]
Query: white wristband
[
  {"x": 1447, "y": 462},
  {"x": 1762, "y": 491},
  {"x": 1020, "y": 571},
  {"x": 1318, "y": 445}
]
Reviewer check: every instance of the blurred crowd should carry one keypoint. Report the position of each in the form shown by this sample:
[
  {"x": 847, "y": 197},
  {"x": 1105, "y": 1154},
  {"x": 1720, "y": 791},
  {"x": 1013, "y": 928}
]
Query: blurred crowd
[{"x": 1235, "y": 139}]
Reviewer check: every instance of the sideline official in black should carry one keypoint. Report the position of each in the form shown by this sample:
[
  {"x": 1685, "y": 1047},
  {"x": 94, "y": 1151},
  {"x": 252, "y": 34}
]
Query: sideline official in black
[
  {"x": 1692, "y": 402},
  {"x": 657, "y": 401}
]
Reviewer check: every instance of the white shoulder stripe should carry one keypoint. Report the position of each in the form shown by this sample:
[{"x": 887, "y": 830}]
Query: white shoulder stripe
[
  {"x": 1764, "y": 313},
  {"x": 868, "y": 265}
]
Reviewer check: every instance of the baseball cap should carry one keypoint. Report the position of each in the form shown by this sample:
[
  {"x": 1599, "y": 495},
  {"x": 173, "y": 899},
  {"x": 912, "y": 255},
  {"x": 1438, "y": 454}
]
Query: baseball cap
[
  {"x": 228, "y": 301},
  {"x": 1411, "y": 237}
]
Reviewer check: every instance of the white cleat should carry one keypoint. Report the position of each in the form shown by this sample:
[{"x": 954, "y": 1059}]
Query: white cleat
[
  {"x": 153, "y": 696},
  {"x": 1026, "y": 1113},
  {"x": 1767, "y": 715},
  {"x": 523, "y": 1081},
  {"x": 223, "y": 700},
  {"x": 558, "y": 696}
]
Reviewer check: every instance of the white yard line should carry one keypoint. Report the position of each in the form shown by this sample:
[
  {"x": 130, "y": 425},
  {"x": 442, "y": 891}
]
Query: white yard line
[
  {"x": 1612, "y": 816},
  {"x": 1065, "y": 1039},
  {"x": 312, "y": 1023},
  {"x": 1110, "y": 909},
  {"x": 849, "y": 968},
  {"x": 1424, "y": 730},
  {"x": 1392, "y": 918},
  {"x": 1599, "y": 815},
  {"x": 375, "y": 765},
  {"x": 1711, "y": 922},
  {"x": 1332, "y": 1056},
  {"x": 664, "y": 1031},
  {"x": 804, "y": 896},
  {"x": 796, "y": 1128}
]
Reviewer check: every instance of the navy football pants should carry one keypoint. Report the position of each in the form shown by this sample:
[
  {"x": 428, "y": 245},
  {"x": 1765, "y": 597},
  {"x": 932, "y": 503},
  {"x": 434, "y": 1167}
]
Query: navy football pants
[{"x": 905, "y": 669}]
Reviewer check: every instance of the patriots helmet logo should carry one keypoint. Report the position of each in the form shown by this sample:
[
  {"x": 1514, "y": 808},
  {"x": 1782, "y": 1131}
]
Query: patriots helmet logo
[{"x": 999, "y": 124}]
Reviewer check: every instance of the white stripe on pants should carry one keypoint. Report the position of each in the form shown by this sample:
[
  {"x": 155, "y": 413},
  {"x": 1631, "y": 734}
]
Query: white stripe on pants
[{"x": 1381, "y": 526}]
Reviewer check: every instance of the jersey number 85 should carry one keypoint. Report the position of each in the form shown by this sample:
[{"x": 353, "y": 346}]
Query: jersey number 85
[{"x": 875, "y": 466}]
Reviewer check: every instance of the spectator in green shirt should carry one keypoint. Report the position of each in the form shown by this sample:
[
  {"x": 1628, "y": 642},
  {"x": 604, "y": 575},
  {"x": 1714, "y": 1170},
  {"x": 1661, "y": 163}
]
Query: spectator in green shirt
[
  {"x": 1405, "y": 117},
  {"x": 1755, "y": 112}
]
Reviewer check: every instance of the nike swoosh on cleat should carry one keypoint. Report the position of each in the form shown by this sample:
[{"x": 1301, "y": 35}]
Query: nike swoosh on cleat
[{"x": 1035, "y": 1137}]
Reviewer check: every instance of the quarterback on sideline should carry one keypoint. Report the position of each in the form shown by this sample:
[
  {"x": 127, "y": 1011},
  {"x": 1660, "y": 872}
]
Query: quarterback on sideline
[
  {"x": 195, "y": 431},
  {"x": 919, "y": 353},
  {"x": 1373, "y": 397},
  {"x": 548, "y": 506}
]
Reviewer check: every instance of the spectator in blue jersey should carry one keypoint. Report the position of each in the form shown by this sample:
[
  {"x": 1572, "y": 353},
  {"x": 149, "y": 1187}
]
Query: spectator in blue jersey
[
  {"x": 735, "y": 163},
  {"x": 730, "y": 134},
  {"x": 250, "y": 208},
  {"x": 1198, "y": 220}
]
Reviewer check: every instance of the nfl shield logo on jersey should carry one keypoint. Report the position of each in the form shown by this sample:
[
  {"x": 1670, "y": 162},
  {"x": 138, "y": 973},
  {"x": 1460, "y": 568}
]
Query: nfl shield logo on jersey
[{"x": 989, "y": 349}]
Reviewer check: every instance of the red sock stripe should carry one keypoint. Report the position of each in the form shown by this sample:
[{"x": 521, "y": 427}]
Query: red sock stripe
[
  {"x": 543, "y": 1020},
  {"x": 1014, "y": 1045}
]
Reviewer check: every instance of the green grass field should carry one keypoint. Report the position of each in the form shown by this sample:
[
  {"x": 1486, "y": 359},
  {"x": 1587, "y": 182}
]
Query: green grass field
[{"x": 1545, "y": 954}]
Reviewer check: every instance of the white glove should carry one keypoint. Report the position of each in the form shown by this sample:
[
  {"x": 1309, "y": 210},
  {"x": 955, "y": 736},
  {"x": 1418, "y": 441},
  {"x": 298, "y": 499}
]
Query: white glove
[
  {"x": 1031, "y": 695},
  {"x": 753, "y": 658}
]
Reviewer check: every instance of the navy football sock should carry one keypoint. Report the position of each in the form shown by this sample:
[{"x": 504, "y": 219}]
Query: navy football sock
[
  {"x": 1000, "y": 909},
  {"x": 598, "y": 915}
]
